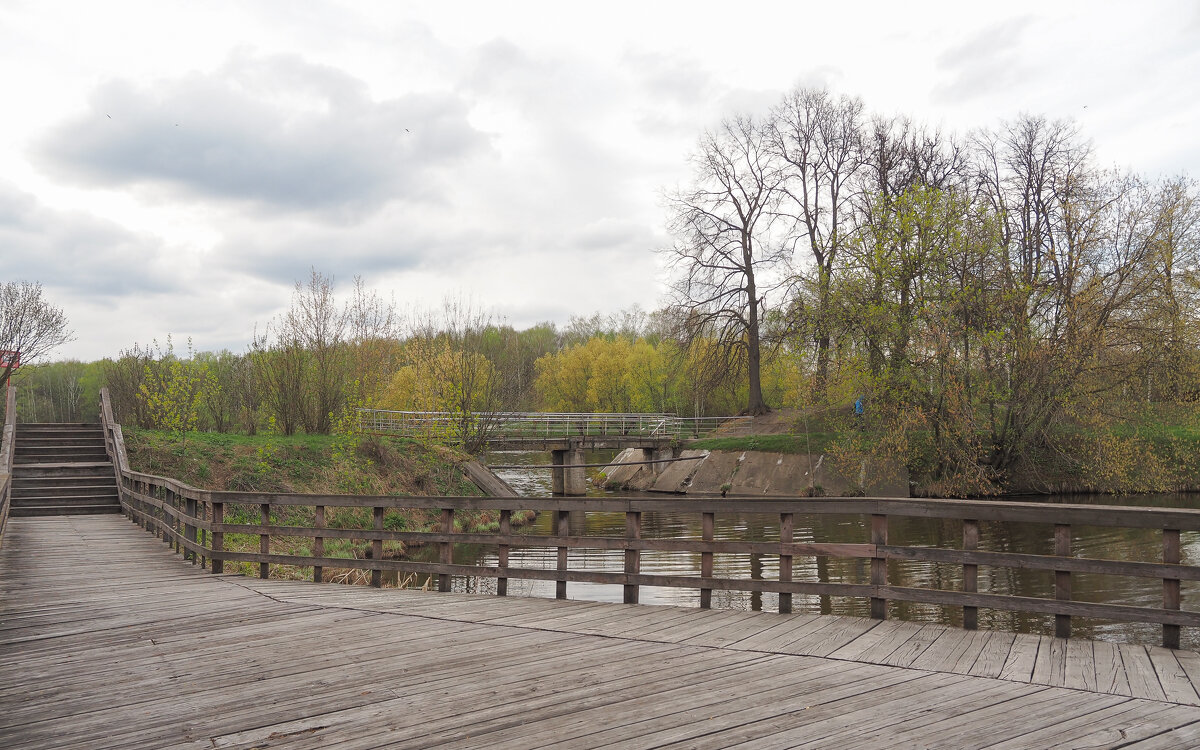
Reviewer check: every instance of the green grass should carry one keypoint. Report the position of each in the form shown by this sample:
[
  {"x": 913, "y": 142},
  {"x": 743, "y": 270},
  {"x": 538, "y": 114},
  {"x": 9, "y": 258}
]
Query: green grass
[
  {"x": 816, "y": 442},
  {"x": 328, "y": 464}
]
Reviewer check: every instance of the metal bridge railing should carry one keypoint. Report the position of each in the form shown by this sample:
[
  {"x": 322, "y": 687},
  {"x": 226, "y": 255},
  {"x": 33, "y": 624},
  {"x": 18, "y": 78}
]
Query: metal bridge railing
[{"x": 536, "y": 425}]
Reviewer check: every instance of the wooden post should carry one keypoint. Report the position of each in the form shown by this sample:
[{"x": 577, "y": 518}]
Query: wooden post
[
  {"x": 319, "y": 545},
  {"x": 633, "y": 557},
  {"x": 176, "y": 522},
  {"x": 1171, "y": 586},
  {"x": 707, "y": 522},
  {"x": 140, "y": 487},
  {"x": 447, "y": 548},
  {"x": 970, "y": 573},
  {"x": 204, "y": 540},
  {"x": 563, "y": 528},
  {"x": 785, "y": 561},
  {"x": 1062, "y": 579},
  {"x": 164, "y": 525},
  {"x": 264, "y": 541},
  {"x": 377, "y": 548},
  {"x": 502, "y": 554},
  {"x": 218, "y": 538},
  {"x": 879, "y": 535},
  {"x": 189, "y": 530}
]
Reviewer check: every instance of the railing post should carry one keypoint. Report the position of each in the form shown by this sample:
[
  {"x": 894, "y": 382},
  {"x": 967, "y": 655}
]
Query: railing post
[
  {"x": 707, "y": 522},
  {"x": 785, "y": 561},
  {"x": 970, "y": 573},
  {"x": 1062, "y": 578},
  {"x": 377, "y": 547},
  {"x": 319, "y": 545},
  {"x": 562, "y": 528},
  {"x": 218, "y": 537},
  {"x": 447, "y": 549},
  {"x": 879, "y": 536},
  {"x": 502, "y": 553},
  {"x": 189, "y": 530},
  {"x": 1171, "y": 586},
  {"x": 161, "y": 522},
  {"x": 204, "y": 535},
  {"x": 633, "y": 557},
  {"x": 264, "y": 541},
  {"x": 178, "y": 524}
]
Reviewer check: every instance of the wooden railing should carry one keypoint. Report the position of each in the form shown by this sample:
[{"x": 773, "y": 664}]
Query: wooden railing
[
  {"x": 194, "y": 521},
  {"x": 7, "y": 448}
]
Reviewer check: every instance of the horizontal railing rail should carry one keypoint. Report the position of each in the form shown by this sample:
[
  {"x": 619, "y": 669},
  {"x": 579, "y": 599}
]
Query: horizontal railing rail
[{"x": 508, "y": 426}]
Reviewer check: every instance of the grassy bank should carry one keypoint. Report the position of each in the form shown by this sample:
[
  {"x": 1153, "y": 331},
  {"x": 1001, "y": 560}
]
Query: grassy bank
[
  {"x": 316, "y": 464},
  {"x": 1144, "y": 449}
]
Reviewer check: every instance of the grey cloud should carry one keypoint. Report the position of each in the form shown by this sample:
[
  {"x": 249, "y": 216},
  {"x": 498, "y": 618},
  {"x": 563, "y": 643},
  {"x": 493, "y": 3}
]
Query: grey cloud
[
  {"x": 670, "y": 78},
  {"x": 613, "y": 233},
  {"x": 282, "y": 252},
  {"x": 81, "y": 253},
  {"x": 279, "y": 133},
  {"x": 987, "y": 61}
]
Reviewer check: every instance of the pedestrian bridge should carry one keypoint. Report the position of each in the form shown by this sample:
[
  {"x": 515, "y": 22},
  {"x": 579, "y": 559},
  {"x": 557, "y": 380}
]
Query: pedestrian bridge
[
  {"x": 565, "y": 436},
  {"x": 541, "y": 430},
  {"x": 134, "y": 630},
  {"x": 110, "y": 640}
]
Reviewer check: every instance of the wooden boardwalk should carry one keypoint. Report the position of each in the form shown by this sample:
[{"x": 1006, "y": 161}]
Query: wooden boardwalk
[{"x": 108, "y": 640}]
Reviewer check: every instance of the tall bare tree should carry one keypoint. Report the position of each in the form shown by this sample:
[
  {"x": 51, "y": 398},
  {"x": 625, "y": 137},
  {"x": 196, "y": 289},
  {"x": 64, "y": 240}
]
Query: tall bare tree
[
  {"x": 820, "y": 139},
  {"x": 727, "y": 257}
]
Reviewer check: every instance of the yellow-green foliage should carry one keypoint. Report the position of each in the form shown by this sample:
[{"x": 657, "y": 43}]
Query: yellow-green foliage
[{"x": 173, "y": 389}]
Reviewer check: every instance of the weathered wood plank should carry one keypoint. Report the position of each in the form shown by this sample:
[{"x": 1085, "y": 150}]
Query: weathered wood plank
[
  {"x": 1021, "y": 658},
  {"x": 191, "y": 659},
  {"x": 1172, "y": 677},
  {"x": 1143, "y": 680}
]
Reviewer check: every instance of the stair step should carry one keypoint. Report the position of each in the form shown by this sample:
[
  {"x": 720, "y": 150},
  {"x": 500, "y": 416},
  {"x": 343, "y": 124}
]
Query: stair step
[
  {"x": 66, "y": 501},
  {"x": 57, "y": 471},
  {"x": 64, "y": 490},
  {"x": 54, "y": 510},
  {"x": 67, "y": 451}
]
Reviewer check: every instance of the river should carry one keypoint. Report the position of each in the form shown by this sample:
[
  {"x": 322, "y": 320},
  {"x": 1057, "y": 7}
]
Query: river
[{"x": 1116, "y": 544}]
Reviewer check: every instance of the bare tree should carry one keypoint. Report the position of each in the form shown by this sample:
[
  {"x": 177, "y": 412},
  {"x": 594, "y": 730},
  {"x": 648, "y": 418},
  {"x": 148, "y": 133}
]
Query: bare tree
[
  {"x": 29, "y": 324},
  {"x": 318, "y": 325},
  {"x": 820, "y": 139},
  {"x": 725, "y": 249},
  {"x": 373, "y": 328},
  {"x": 453, "y": 373}
]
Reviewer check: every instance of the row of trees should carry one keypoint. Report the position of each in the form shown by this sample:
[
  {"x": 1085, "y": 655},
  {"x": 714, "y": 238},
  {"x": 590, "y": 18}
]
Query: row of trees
[
  {"x": 311, "y": 367},
  {"x": 987, "y": 289}
]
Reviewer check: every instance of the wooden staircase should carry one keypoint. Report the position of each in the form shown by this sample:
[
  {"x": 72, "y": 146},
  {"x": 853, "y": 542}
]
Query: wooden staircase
[{"x": 62, "y": 469}]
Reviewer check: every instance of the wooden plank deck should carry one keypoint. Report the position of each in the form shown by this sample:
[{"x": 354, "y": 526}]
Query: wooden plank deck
[{"x": 107, "y": 640}]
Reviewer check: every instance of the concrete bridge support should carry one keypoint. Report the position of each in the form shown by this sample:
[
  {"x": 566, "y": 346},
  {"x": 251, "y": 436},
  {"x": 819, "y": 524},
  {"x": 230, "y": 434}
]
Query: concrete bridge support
[{"x": 568, "y": 481}]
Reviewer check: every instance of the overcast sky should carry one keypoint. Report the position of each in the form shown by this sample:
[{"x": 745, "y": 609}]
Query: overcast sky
[{"x": 174, "y": 167}]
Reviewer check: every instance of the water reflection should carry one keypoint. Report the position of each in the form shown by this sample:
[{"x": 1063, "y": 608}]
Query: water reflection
[{"x": 1143, "y": 545}]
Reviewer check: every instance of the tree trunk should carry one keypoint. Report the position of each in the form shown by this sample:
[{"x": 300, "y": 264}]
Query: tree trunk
[{"x": 756, "y": 405}]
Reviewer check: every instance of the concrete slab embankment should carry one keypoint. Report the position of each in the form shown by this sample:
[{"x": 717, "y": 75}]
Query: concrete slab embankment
[
  {"x": 486, "y": 480},
  {"x": 761, "y": 473},
  {"x": 630, "y": 472}
]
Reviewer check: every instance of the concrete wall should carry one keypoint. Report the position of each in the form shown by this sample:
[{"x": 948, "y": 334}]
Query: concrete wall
[{"x": 759, "y": 473}]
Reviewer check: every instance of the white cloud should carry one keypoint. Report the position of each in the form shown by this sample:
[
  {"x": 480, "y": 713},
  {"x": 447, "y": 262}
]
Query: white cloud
[{"x": 174, "y": 167}]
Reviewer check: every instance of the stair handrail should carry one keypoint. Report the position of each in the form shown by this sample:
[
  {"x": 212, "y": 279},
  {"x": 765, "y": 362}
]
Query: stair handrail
[
  {"x": 6, "y": 457},
  {"x": 114, "y": 443}
]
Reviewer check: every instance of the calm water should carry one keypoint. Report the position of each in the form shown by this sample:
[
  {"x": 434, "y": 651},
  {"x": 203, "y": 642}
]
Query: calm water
[{"x": 1116, "y": 544}]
